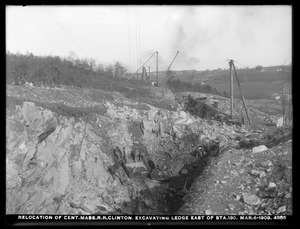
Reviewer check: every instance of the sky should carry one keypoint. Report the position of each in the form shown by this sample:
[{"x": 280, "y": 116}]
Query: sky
[{"x": 205, "y": 36}]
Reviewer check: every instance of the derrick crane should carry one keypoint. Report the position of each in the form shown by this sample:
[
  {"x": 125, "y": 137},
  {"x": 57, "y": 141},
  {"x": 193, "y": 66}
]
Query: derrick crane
[{"x": 167, "y": 71}]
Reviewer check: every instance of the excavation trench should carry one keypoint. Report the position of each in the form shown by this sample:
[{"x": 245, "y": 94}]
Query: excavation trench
[
  {"x": 180, "y": 185},
  {"x": 166, "y": 198}
]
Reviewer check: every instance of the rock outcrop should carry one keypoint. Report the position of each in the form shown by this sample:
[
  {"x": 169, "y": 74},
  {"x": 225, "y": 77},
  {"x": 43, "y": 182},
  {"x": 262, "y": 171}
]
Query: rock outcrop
[{"x": 86, "y": 151}]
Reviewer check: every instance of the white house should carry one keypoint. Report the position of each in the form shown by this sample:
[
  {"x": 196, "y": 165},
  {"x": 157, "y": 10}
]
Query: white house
[
  {"x": 275, "y": 96},
  {"x": 154, "y": 83}
]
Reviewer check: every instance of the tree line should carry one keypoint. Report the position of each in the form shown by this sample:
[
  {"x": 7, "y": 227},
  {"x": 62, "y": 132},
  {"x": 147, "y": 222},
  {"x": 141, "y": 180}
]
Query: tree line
[{"x": 47, "y": 70}]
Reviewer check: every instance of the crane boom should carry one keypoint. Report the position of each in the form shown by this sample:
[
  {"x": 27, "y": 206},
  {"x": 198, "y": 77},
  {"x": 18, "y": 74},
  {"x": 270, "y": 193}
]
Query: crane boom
[{"x": 172, "y": 61}]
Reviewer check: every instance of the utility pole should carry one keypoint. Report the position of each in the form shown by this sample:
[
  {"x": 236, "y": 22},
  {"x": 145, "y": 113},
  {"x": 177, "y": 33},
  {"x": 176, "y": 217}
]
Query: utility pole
[
  {"x": 149, "y": 74},
  {"x": 283, "y": 101},
  {"x": 238, "y": 82},
  {"x": 231, "y": 88},
  {"x": 290, "y": 101},
  {"x": 157, "y": 68}
]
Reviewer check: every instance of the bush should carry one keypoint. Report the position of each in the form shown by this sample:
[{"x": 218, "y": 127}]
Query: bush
[{"x": 177, "y": 85}]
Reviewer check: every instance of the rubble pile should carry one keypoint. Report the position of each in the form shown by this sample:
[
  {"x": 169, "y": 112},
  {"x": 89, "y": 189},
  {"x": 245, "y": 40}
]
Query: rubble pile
[
  {"x": 244, "y": 183},
  {"x": 223, "y": 106},
  {"x": 255, "y": 138}
]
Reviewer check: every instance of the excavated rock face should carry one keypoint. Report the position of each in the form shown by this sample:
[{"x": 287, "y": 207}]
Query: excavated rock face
[{"x": 79, "y": 151}]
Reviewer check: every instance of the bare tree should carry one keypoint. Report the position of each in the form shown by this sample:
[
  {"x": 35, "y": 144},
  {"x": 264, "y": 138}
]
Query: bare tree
[{"x": 120, "y": 70}]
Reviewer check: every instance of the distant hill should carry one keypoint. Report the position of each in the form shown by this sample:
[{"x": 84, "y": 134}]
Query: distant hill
[{"x": 255, "y": 83}]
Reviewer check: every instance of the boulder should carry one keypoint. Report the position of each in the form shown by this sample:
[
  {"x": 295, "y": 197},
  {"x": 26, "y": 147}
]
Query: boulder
[
  {"x": 208, "y": 212},
  {"x": 251, "y": 199},
  {"x": 12, "y": 177},
  {"x": 184, "y": 171},
  {"x": 150, "y": 115},
  {"x": 279, "y": 122},
  {"x": 259, "y": 149},
  {"x": 271, "y": 185}
]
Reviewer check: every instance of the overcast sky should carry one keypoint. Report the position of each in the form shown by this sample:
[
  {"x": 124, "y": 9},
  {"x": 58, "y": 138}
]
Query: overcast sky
[{"x": 205, "y": 36}]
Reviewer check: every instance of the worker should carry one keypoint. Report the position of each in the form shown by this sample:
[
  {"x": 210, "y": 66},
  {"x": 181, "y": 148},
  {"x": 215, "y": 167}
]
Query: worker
[{"x": 144, "y": 73}]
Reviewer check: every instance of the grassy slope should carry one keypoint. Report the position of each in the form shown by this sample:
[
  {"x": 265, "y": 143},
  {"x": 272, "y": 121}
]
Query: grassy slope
[{"x": 255, "y": 84}]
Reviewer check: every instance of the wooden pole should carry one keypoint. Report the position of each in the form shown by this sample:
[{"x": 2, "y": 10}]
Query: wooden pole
[
  {"x": 157, "y": 68},
  {"x": 282, "y": 100},
  {"x": 290, "y": 101},
  {"x": 238, "y": 82},
  {"x": 231, "y": 88}
]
